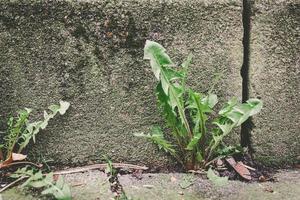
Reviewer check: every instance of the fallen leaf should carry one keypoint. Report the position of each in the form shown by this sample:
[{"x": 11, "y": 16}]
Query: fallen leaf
[
  {"x": 243, "y": 171},
  {"x": 231, "y": 161},
  {"x": 18, "y": 156},
  {"x": 6, "y": 162},
  {"x": 239, "y": 168}
]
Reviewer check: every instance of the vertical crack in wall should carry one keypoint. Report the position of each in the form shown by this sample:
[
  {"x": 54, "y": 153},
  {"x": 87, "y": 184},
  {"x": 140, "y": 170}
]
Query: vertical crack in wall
[{"x": 246, "y": 126}]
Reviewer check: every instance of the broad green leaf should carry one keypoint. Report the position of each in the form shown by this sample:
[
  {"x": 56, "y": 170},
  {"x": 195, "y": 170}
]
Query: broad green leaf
[
  {"x": 217, "y": 180},
  {"x": 194, "y": 142},
  {"x": 160, "y": 63},
  {"x": 157, "y": 56}
]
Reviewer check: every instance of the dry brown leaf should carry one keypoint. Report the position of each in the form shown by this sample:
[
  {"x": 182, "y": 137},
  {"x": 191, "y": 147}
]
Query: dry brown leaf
[
  {"x": 6, "y": 162},
  {"x": 18, "y": 157},
  {"x": 239, "y": 168},
  {"x": 243, "y": 171}
]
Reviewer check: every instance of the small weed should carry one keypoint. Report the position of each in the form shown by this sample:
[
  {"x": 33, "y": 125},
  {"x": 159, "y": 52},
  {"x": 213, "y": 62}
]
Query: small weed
[
  {"x": 115, "y": 185},
  {"x": 37, "y": 180},
  {"x": 187, "y": 114},
  {"x": 20, "y": 132}
]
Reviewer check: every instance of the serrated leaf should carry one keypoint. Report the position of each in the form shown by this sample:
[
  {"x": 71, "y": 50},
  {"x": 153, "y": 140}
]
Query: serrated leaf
[
  {"x": 226, "y": 128},
  {"x": 256, "y": 106},
  {"x": 32, "y": 129},
  {"x": 54, "y": 108},
  {"x": 211, "y": 100},
  {"x": 157, "y": 138},
  {"x": 64, "y": 106},
  {"x": 194, "y": 142},
  {"x": 37, "y": 184},
  {"x": 217, "y": 180},
  {"x": 228, "y": 106},
  {"x": 59, "y": 189}
]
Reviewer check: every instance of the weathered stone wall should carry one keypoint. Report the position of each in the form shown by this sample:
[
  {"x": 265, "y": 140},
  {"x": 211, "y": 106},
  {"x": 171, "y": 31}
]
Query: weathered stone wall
[
  {"x": 90, "y": 54},
  {"x": 275, "y": 78}
]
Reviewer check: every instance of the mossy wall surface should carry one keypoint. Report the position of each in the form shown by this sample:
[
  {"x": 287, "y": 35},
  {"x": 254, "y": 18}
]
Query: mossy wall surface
[
  {"x": 275, "y": 78},
  {"x": 90, "y": 53}
]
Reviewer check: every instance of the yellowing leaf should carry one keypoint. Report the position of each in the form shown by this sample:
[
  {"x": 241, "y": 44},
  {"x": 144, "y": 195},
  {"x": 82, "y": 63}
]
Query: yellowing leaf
[{"x": 18, "y": 156}]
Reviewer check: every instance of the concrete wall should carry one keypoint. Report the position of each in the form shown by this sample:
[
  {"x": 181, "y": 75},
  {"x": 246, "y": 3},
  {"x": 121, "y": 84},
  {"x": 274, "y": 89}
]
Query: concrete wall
[
  {"x": 90, "y": 54},
  {"x": 275, "y": 78}
]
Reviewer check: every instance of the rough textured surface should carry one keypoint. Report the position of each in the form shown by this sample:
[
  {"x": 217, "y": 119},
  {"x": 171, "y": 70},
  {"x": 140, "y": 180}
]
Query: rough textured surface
[
  {"x": 93, "y": 185},
  {"x": 274, "y": 77},
  {"x": 90, "y": 53}
]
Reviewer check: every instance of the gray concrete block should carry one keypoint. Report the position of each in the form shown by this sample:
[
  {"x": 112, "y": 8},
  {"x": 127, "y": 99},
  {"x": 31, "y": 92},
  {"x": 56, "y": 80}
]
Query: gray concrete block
[
  {"x": 90, "y": 53},
  {"x": 274, "y": 77}
]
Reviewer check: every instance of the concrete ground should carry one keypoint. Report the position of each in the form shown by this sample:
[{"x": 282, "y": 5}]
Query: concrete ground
[{"x": 93, "y": 185}]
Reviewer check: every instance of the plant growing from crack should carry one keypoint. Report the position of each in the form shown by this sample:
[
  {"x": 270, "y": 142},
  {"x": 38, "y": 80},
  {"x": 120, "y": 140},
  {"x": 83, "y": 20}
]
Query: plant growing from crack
[
  {"x": 115, "y": 185},
  {"x": 186, "y": 113},
  {"x": 21, "y": 131},
  {"x": 46, "y": 182}
]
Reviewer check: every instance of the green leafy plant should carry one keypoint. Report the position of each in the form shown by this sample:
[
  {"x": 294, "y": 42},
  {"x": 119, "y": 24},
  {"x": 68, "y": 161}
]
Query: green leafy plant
[
  {"x": 115, "y": 185},
  {"x": 186, "y": 113},
  {"x": 20, "y": 131},
  {"x": 37, "y": 180}
]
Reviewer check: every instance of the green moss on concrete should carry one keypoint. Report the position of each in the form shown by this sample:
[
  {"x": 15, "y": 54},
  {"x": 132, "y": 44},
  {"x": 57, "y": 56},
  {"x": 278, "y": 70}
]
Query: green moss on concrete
[
  {"x": 90, "y": 53},
  {"x": 275, "y": 79}
]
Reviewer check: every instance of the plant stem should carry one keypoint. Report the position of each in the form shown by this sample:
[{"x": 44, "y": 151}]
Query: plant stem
[
  {"x": 180, "y": 107},
  {"x": 202, "y": 127}
]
